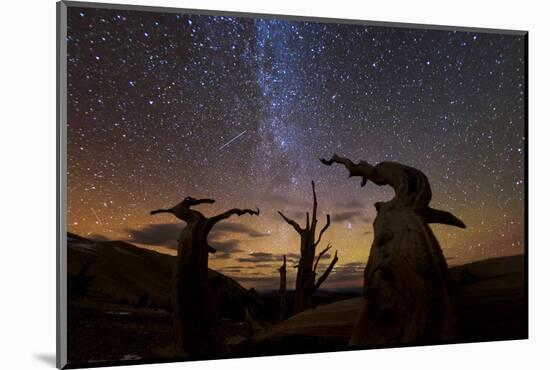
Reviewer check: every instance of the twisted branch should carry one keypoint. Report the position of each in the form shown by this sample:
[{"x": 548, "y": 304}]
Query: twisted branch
[
  {"x": 229, "y": 213},
  {"x": 293, "y": 223},
  {"x": 323, "y": 231},
  {"x": 321, "y": 255},
  {"x": 362, "y": 169},
  {"x": 327, "y": 271}
]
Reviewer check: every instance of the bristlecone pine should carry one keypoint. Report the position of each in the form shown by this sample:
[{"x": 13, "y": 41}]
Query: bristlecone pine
[
  {"x": 196, "y": 322},
  {"x": 406, "y": 287},
  {"x": 305, "y": 278}
]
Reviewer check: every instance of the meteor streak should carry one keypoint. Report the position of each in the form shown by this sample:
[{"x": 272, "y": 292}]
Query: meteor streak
[
  {"x": 232, "y": 140},
  {"x": 96, "y": 216}
]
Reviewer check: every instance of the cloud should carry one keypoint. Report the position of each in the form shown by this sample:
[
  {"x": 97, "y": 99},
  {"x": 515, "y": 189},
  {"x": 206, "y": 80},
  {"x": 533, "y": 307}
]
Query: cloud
[
  {"x": 343, "y": 275},
  {"x": 236, "y": 228},
  {"x": 232, "y": 270},
  {"x": 156, "y": 234},
  {"x": 225, "y": 248},
  {"x": 292, "y": 256},
  {"x": 351, "y": 273},
  {"x": 167, "y": 234},
  {"x": 326, "y": 256},
  {"x": 346, "y": 275},
  {"x": 353, "y": 215},
  {"x": 346, "y": 216},
  {"x": 366, "y": 218},
  {"x": 260, "y": 257},
  {"x": 245, "y": 268},
  {"x": 350, "y": 204},
  {"x": 351, "y": 268}
]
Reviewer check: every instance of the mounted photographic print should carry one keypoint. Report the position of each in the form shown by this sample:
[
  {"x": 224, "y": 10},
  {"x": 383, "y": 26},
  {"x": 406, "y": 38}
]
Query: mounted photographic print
[{"x": 234, "y": 185}]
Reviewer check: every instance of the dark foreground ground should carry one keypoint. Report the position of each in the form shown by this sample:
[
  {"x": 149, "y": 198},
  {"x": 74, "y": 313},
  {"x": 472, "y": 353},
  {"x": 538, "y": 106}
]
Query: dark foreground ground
[
  {"x": 491, "y": 305},
  {"x": 118, "y": 312}
]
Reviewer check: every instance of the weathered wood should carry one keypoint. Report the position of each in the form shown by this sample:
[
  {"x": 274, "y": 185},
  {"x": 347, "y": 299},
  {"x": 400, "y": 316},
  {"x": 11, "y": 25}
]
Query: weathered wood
[
  {"x": 305, "y": 277},
  {"x": 406, "y": 286},
  {"x": 196, "y": 323}
]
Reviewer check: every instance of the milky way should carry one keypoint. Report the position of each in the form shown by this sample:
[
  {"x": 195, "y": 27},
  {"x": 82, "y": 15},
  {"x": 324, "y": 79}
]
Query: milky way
[{"x": 165, "y": 105}]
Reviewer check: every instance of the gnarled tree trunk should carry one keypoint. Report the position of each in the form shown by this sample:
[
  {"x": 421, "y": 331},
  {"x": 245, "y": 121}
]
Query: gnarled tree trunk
[
  {"x": 305, "y": 278},
  {"x": 196, "y": 322},
  {"x": 406, "y": 287}
]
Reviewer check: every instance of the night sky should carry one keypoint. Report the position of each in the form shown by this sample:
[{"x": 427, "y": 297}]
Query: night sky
[{"x": 162, "y": 106}]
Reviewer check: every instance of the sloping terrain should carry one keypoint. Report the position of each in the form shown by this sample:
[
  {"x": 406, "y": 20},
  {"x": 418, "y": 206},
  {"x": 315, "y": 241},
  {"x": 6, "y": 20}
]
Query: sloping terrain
[
  {"x": 490, "y": 298},
  {"x": 122, "y": 272},
  {"x": 120, "y": 307},
  {"x": 119, "y": 302}
]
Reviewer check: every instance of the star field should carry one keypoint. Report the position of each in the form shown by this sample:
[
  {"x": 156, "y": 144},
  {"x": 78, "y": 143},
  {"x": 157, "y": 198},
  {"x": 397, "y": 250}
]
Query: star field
[{"x": 165, "y": 105}]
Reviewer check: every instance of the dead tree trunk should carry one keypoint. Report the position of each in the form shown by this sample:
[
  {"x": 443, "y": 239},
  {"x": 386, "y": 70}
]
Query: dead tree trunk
[
  {"x": 196, "y": 322},
  {"x": 406, "y": 286},
  {"x": 282, "y": 291},
  {"x": 305, "y": 278}
]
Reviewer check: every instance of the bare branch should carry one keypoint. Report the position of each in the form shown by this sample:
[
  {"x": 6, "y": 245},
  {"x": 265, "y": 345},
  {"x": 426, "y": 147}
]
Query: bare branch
[
  {"x": 314, "y": 214},
  {"x": 322, "y": 231},
  {"x": 283, "y": 266},
  {"x": 327, "y": 271},
  {"x": 321, "y": 255},
  {"x": 292, "y": 222},
  {"x": 196, "y": 202},
  {"x": 363, "y": 169},
  {"x": 229, "y": 213},
  {"x": 442, "y": 217}
]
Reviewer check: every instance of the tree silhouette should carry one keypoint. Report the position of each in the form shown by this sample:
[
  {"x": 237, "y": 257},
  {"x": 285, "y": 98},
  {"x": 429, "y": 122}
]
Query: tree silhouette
[
  {"x": 196, "y": 322},
  {"x": 406, "y": 287},
  {"x": 305, "y": 278},
  {"x": 78, "y": 284},
  {"x": 282, "y": 291}
]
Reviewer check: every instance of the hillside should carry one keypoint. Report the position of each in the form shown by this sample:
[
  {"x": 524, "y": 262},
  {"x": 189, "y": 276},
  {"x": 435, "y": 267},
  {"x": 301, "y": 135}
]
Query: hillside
[
  {"x": 117, "y": 288},
  {"x": 490, "y": 298},
  {"x": 121, "y": 272},
  {"x": 123, "y": 290}
]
